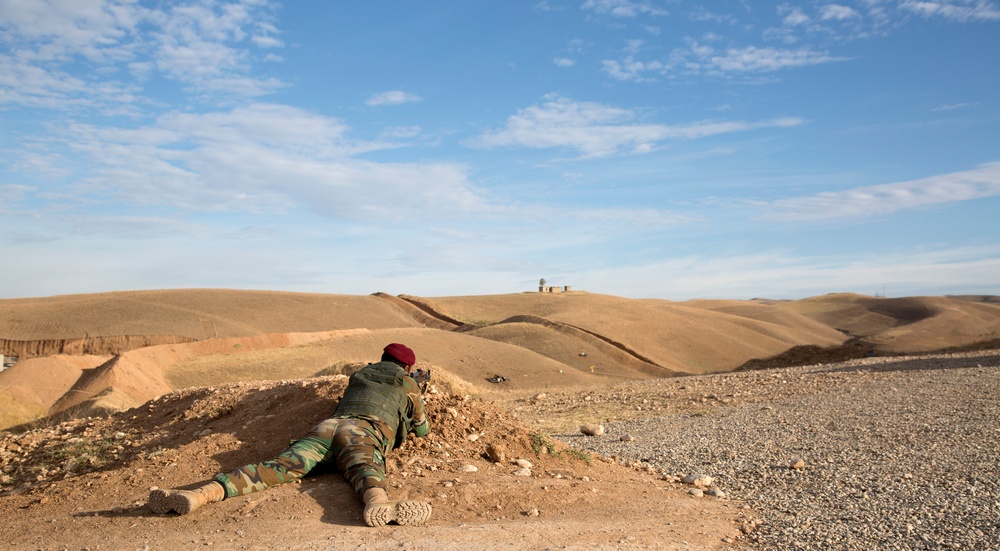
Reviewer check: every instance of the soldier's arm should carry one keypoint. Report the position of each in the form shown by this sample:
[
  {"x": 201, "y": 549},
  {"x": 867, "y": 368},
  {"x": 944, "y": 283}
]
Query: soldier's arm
[{"x": 419, "y": 425}]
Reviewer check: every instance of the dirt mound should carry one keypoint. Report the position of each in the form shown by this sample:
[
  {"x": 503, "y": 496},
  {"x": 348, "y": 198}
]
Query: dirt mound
[
  {"x": 809, "y": 355},
  {"x": 88, "y": 479}
]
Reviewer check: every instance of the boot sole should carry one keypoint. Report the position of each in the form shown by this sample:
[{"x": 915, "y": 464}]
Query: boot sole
[
  {"x": 401, "y": 512},
  {"x": 162, "y": 502}
]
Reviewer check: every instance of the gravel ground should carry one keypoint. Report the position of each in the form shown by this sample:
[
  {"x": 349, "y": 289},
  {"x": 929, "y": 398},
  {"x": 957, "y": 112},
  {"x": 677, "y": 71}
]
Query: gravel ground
[{"x": 899, "y": 453}]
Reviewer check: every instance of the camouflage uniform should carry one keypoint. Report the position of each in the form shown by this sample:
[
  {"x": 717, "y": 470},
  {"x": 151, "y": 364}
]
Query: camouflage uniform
[{"x": 380, "y": 406}]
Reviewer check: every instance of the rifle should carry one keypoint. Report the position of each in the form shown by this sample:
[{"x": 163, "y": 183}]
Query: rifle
[{"x": 422, "y": 377}]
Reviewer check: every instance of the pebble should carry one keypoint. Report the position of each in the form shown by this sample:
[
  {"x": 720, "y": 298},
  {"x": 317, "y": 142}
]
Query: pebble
[
  {"x": 468, "y": 468},
  {"x": 522, "y": 472}
]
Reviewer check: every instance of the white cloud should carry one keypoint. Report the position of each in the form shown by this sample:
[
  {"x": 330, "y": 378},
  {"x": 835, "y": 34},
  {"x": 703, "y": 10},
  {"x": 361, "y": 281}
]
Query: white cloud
[
  {"x": 795, "y": 17},
  {"x": 957, "y": 10},
  {"x": 393, "y": 97},
  {"x": 199, "y": 44},
  {"x": 597, "y": 130},
  {"x": 631, "y": 69},
  {"x": 889, "y": 198},
  {"x": 702, "y": 58},
  {"x": 754, "y": 59},
  {"x": 563, "y": 62},
  {"x": 837, "y": 12},
  {"x": 260, "y": 158},
  {"x": 622, "y": 8}
]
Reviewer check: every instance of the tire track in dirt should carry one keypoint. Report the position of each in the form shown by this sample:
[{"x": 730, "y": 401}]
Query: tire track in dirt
[
  {"x": 570, "y": 329},
  {"x": 421, "y": 313}
]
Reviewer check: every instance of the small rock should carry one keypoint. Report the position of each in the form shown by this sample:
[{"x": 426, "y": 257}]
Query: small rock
[
  {"x": 496, "y": 453},
  {"x": 627, "y": 438},
  {"x": 540, "y": 396},
  {"x": 797, "y": 463},
  {"x": 468, "y": 468},
  {"x": 533, "y": 512},
  {"x": 696, "y": 492},
  {"x": 452, "y": 411},
  {"x": 702, "y": 480},
  {"x": 524, "y": 463},
  {"x": 715, "y": 492},
  {"x": 522, "y": 472},
  {"x": 592, "y": 430},
  {"x": 472, "y": 437}
]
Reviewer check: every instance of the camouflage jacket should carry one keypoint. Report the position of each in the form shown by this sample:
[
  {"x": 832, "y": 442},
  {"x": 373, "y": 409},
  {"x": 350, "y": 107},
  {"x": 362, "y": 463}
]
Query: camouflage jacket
[{"x": 384, "y": 394}]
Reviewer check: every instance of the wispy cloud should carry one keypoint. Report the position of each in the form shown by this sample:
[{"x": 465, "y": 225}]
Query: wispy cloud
[
  {"x": 259, "y": 158},
  {"x": 837, "y": 12},
  {"x": 754, "y": 59},
  {"x": 597, "y": 130},
  {"x": 623, "y": 8},
  {"x": 700, "y": 58},
  {"x": 206, "y": 46},
  {"x": 10, "y": 193},
  {"x": 889, "y": 198},
  {"x": 957, "y": 10},
  {"x": 393, "y": 97},
  {"x": 954, "y": 106},
  {"x": 784, "y": 275}
]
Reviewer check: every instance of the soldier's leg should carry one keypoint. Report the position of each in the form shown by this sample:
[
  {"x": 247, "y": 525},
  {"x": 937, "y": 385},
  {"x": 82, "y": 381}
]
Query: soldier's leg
[
  {"x": 359, "y": 452},
  {"x": 291, "y": 464}
]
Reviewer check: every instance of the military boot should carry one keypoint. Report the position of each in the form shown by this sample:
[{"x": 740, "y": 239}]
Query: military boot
[
  {"x": 185, "y": 501},
  {"x": 379, "y": 511}
]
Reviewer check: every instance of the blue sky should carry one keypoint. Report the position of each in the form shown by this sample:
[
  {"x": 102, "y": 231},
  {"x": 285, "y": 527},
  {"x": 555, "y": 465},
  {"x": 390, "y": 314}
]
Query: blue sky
[{"x": 664, "y": 149}]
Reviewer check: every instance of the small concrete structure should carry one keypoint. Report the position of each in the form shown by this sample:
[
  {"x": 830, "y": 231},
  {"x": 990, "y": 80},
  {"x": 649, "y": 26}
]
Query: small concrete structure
[{"x": 553, "y": 289}]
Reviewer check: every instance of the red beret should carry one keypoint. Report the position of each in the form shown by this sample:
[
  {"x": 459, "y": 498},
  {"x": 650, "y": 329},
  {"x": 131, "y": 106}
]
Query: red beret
[{"x": 401, "y": 353}]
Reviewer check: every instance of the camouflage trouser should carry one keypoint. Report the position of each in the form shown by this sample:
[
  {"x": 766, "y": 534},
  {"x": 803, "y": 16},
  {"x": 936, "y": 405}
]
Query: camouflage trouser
[{"x": 354, "y": 446}]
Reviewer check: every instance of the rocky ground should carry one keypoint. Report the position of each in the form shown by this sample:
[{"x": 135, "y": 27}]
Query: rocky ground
[{"x": 875, "y": 453}]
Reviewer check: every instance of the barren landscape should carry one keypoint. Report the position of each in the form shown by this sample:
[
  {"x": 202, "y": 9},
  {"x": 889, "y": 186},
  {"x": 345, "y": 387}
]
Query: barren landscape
[{"x": 890, "y": 404}]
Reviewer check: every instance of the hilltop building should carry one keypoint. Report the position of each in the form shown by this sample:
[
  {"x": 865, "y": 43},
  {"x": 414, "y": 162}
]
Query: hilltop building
[{"x": 554, "y": 289}]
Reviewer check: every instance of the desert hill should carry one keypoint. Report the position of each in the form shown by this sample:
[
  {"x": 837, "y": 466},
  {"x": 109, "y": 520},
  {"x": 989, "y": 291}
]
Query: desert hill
[{"x": 92, "y": 354}]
